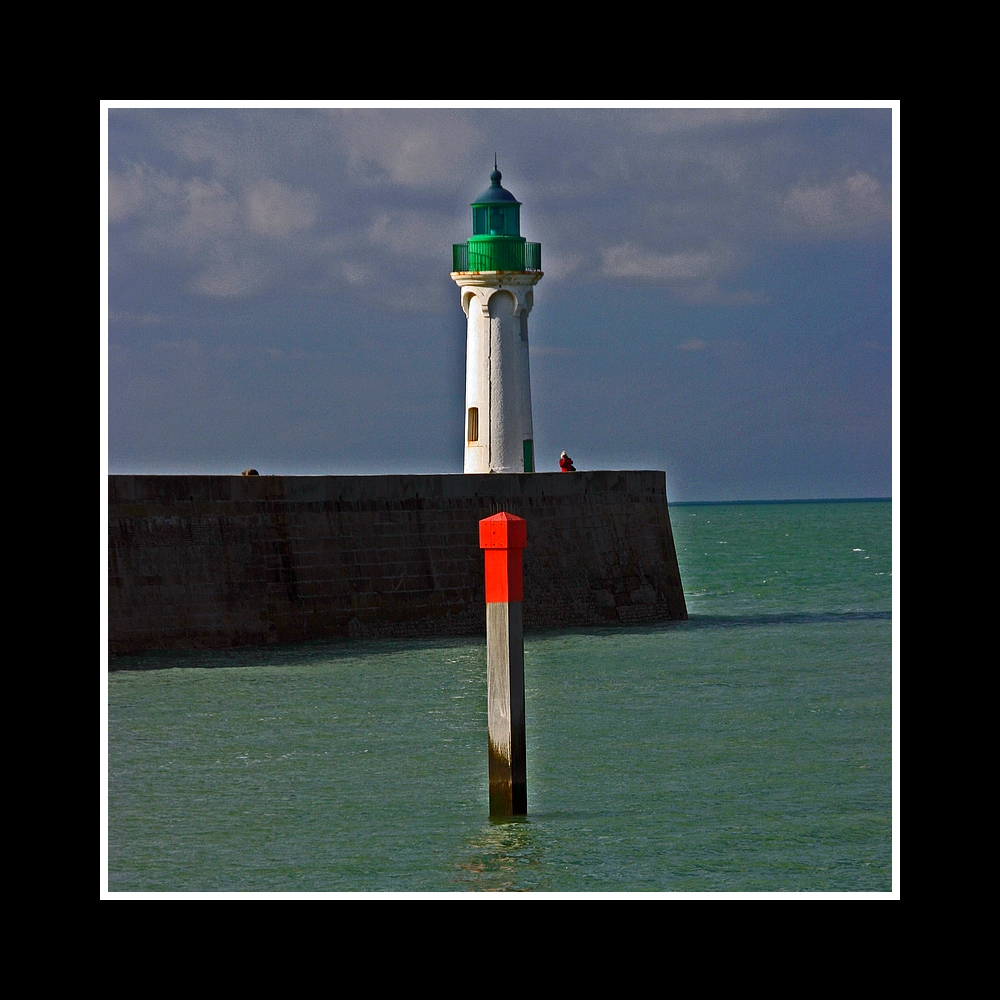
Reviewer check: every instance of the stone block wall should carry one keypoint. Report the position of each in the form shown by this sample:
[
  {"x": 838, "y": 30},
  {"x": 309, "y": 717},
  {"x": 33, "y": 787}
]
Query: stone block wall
[{"x": 210, "y": 561}]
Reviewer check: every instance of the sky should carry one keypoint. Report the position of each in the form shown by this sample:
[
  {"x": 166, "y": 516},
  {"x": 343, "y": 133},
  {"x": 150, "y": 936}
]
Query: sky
[{"x": 717, "y": 299}]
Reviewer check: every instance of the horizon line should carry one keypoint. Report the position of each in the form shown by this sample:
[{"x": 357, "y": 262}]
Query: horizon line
[{"x": 695, "y": 503}]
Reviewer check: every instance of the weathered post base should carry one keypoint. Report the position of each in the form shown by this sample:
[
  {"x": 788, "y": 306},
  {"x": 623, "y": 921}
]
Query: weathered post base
[{"x": 505, "y": 693}]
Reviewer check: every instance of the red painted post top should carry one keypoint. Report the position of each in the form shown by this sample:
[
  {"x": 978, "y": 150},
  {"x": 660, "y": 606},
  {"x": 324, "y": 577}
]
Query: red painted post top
[
  {"x": 503, "y": 531},
  {"x": 503, "y": 536}
]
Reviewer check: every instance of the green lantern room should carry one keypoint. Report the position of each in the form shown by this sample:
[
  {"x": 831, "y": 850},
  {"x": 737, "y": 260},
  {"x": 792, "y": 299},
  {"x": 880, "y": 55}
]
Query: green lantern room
[{"x": 496, "y": 243}]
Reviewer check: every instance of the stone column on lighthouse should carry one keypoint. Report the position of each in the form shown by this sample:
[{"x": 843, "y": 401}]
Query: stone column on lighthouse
[{"x": 496, "y": 271}]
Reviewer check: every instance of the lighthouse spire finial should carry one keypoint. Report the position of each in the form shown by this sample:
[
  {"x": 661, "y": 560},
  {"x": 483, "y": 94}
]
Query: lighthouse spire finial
[{"x": 496, "y": 176}]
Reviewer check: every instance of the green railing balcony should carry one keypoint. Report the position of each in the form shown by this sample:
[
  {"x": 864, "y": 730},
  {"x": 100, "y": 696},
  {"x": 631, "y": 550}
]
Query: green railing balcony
[{"x": 496, "y": 255}]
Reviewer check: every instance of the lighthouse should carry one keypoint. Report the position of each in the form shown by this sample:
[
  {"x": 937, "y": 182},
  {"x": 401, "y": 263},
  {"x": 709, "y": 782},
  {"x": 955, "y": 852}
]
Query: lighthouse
[{"x": 496, "y": 271}]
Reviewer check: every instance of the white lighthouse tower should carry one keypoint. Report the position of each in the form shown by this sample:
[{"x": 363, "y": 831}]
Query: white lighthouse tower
[{"x": 496, "y": 272}]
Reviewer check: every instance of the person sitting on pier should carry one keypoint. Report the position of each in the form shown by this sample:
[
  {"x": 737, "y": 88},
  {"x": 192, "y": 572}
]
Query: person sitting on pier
[{"x": 566, "y": 463}]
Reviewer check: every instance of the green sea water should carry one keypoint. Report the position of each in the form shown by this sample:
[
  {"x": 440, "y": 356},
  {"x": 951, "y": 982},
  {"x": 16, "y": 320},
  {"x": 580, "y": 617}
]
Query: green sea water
[{"x": 748, "y": 749}]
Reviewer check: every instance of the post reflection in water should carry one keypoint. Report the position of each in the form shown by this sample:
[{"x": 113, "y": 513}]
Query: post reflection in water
[{"x": 505, "y": 854}]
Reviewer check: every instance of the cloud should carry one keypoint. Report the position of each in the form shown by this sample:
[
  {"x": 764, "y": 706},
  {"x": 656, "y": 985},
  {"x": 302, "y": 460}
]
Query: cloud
[
  {"x": 692, "y": 345},
  {"x": 678, "y": 119},
  {"x": 355, "y": 274},
  {"x": 421, "y": 149},
  {"x": 412, "y": 233},
  {"x": 851, "y": 205},
  {"x": 199, "y": 142},
  {"x": 232, "y": 279},
  {"x": 124, "y": 196},
  {"x": 274, "y": 209},
  {"x": 234, "y": 235},
  {"x": 211, "y": 212},
  {"x": 139, "y": 190},
  {"x": 239, "y": 201},
  {"x": 558, "y": 264},
  {"x": 629, "y": 261}
]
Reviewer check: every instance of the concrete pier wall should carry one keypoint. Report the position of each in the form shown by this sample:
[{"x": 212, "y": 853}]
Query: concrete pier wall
[{"x": 212, "y": 561}]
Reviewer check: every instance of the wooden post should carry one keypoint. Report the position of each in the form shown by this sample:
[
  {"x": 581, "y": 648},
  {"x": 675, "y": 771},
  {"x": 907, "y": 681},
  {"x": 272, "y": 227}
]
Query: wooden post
[{"x": 504, "y": 536}]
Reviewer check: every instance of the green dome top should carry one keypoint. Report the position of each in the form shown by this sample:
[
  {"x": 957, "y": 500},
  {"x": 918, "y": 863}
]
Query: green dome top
[{"x": 495, "y": 193}]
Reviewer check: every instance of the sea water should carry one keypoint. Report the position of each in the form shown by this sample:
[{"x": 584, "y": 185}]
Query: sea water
[{"x": 748, "y": 749}]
